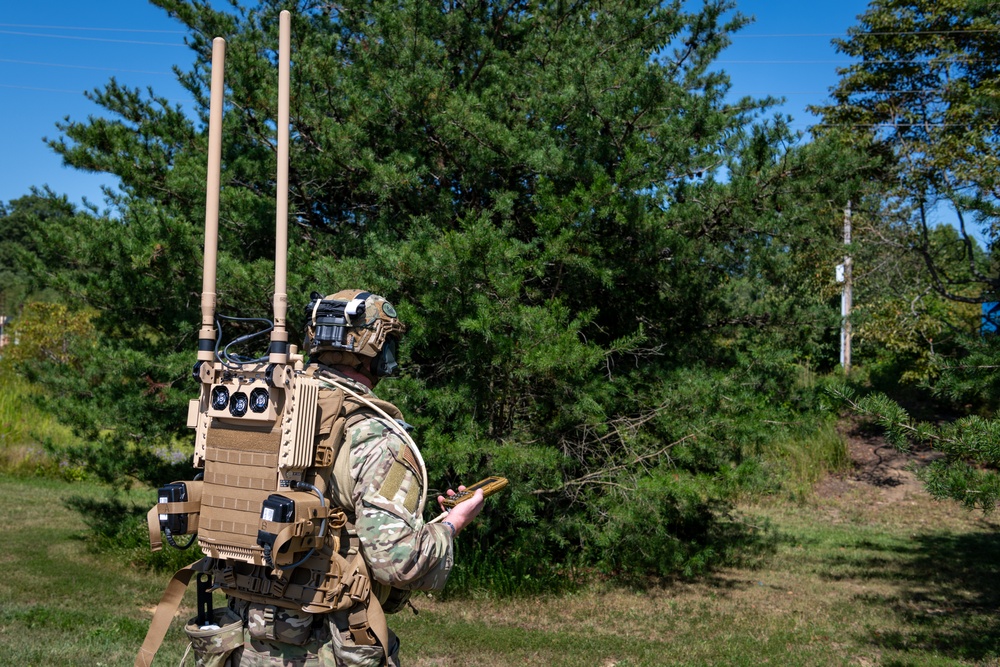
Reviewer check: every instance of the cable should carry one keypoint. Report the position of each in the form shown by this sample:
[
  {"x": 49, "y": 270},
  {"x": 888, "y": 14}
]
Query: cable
[
  {"x": 73, "y": 27},
  {"x": 89, "y": 39},
  {"x": 926, "y": 61},
  {"x": 171, "y": 542},
  {"x": 42, "y": 90},
  {"x": 880, "y": 32},
  {"x": 335, "y": 384},
  {"x": 928, "y": 125},
  {"x": 234, "y": 362},
  {"x": 101, "y": 69}
]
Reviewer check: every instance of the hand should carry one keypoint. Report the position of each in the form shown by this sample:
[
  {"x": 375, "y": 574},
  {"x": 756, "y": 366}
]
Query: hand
[{"x": 465, "y": 512}]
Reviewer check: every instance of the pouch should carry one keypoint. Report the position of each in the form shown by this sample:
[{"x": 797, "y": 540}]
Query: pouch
[
  {"x": 341, "y": 649},
  {"x": 391, "y": 599},
  {"x": 276, "y": 624},
  {"x": 217, "y": 646}
]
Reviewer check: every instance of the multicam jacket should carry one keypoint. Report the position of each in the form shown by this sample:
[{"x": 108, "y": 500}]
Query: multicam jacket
[{"x": 400, "y": 549}]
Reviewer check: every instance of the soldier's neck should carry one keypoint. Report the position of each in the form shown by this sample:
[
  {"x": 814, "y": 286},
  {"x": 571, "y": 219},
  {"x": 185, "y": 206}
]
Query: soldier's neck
[{"x": 349, "y": 372}]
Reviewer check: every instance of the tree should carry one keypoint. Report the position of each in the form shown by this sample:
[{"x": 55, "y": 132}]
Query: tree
[
  {"x": 922, "y": 98},
  {"x": 594, "y": 311},
  {"x": 924, "y": 92},
  {"x": 28, "y": 255},
  {"x": 50, "y": 333},
  {"x": 906, "y": 330}
]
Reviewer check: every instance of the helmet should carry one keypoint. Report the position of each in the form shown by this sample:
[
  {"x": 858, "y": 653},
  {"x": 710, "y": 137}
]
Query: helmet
[{"x": 353, "y": 324}]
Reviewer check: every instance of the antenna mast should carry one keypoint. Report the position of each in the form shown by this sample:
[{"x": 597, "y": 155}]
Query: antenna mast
[
  {"x": 279, "y": 335},
  {"x": 207, "y": 334}
]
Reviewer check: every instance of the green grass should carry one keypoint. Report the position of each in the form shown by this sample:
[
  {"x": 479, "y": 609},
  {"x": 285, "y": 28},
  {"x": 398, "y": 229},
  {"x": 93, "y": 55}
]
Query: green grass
[
  {"x": 60, "y": 604},
  {"x": 801, "y": 462},
  {"x": 864, "y": 578},
  {"x": 22, "y": 426}
]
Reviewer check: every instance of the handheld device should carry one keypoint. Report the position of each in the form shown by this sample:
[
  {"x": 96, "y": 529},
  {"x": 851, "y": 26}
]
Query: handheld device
[{"x": 490, "y": 485}]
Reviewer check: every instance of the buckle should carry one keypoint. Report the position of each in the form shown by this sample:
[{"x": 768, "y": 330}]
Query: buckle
[
  {"x": 361, "y": 635},
  {"x": 360, "y": 588},
  {"x": 269, "y": 628}
]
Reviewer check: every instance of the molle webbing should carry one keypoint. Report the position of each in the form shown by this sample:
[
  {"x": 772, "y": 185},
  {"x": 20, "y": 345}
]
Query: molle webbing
[
  {"x": 240, "y": 473},
  {"x": 324, "y": 583},
  {"x": 315, "y": 586}
]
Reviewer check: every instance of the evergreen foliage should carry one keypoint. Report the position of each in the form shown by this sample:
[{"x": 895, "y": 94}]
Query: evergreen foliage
[
  {"x": 614, "y": 282},
  {"x": 923, "y": 90},
  {"x": 921, "y": 98}
]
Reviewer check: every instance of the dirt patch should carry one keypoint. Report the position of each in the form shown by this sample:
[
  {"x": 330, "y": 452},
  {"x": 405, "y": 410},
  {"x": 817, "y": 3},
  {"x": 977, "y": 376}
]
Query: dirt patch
[{"x": 876, "y": 465}]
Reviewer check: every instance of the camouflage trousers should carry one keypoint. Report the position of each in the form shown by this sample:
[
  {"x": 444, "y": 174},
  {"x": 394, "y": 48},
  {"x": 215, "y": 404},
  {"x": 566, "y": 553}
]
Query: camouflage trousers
[
  {"x": 276, "y": 637},
  {"x": 216, "y": 645}
]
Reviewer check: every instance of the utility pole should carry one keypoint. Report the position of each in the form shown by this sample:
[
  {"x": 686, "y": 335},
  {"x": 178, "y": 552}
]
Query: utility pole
[{"x": 844, "y": 276}]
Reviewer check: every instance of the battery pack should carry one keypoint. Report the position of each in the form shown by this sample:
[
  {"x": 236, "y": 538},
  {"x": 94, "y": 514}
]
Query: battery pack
[{"x": 183, "y": 522}]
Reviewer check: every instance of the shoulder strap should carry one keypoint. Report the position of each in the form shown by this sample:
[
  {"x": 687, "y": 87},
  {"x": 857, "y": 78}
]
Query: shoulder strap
[
  {"x": 343, "y": 482},
  {"x": 376, "y": 618},
  {"x": 368, "y": 614},
  {"x": 165, "y": 611},
  {"x": 153, "y": 525}
]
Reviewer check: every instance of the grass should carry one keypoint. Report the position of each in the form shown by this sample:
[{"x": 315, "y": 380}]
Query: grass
[
  {"x": 859, "y": 578},
  {"x": 22, "y": 426}
]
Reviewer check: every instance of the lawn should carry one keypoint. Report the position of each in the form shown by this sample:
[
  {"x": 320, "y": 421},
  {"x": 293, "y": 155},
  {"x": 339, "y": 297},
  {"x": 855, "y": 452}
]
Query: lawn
[{"x": 862, "y": 575}]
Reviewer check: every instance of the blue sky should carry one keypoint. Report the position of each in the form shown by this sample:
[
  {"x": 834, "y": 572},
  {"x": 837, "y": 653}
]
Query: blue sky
[{"x": 51, "y": 51}]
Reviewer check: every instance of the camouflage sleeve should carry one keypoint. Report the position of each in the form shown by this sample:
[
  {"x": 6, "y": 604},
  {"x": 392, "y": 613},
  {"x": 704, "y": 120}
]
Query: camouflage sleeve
[{"x": 401, "y": 550}]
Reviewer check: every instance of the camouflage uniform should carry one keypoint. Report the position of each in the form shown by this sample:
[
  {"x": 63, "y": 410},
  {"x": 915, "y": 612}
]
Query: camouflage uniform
[
  {"x": 217, "y": 648},
  {"x": 400, "y": 549}
]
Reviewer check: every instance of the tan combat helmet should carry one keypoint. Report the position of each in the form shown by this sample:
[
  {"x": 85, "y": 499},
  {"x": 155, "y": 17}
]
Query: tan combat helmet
[{"x": 350, "y": 324}]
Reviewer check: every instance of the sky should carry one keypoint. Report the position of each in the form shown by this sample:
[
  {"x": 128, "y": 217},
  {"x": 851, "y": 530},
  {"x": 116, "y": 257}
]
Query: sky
[{"x": 52, "y": 51}]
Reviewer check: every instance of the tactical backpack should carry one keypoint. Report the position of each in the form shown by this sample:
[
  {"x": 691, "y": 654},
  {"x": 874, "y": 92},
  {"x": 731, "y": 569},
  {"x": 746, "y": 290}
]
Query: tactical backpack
[{"x": 281, "y": 542}]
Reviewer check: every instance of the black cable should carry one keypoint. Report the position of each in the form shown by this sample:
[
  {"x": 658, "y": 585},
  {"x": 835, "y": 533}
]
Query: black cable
[
  {"x": 171, "y": 542},
  {"x": 233, "y": 361}
]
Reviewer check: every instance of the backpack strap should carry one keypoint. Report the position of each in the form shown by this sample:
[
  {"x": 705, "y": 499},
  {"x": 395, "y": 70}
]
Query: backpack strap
[
  {"x": 153, "y": 524},
  {"x": 367, "y": 614},
  {"x": 165, "y": 611}
]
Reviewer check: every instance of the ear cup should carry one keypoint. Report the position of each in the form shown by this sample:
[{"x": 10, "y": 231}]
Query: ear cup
[{"x": 384, "y": 364}]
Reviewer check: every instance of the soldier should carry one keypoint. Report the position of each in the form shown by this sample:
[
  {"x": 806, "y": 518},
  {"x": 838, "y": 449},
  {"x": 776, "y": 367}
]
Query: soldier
[{"x": 377, "y": 480}]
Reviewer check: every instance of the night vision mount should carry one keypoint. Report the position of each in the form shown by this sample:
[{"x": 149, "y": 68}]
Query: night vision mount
[
  {"x": 330, "y": 320},
  {"x": 334, "y": 325}
]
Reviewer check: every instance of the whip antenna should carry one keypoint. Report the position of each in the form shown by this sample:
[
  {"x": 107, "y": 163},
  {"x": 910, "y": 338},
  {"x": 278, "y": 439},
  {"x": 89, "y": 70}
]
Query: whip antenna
[
  {"x": 279, "y": 335},
  {"x": 207, "y": 334}
]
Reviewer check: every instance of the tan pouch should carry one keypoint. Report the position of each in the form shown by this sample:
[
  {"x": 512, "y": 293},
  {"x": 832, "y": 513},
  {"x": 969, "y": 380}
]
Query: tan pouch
[
  {"x": 220, "y": 646},
  {"x": 269, "y": 623}
]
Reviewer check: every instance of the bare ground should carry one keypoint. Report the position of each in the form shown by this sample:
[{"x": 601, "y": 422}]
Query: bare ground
[{"x": 876, "y": 466}]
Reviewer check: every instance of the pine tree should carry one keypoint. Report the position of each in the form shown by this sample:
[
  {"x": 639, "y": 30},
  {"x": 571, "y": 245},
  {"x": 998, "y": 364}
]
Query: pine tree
[{"x": 613, "y": 279}]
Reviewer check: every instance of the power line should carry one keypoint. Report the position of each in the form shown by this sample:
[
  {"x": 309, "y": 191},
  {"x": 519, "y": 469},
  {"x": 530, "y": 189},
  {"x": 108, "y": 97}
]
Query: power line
[
  {"x": 864, "y": 34},
  {"x": 67, "y": 27},
  {"x": 87, "y": 67},
  {"x": 80, "y": 92},
  {"x": 44, "y": 90},
  {"x": 927, "y": 125},
  {"x": 89, "y": 39},
  {"x": 925, "y": 61}
]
